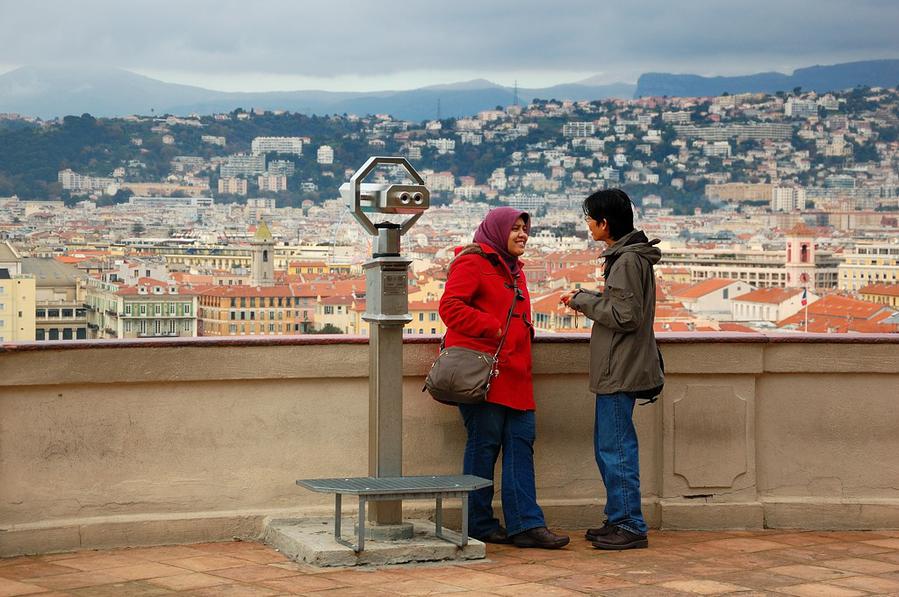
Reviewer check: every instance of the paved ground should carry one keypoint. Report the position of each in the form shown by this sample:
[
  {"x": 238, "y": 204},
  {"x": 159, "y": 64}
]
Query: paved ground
[{"x": 677, "y": 563}]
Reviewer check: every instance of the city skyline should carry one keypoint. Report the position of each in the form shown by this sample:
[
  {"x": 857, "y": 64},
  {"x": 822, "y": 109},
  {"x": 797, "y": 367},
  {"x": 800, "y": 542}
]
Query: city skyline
[{"x": 293, "y": 46}]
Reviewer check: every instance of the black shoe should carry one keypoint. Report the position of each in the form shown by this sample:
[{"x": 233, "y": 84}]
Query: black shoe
[
  {"x": 621, "y": 539},
  {"x": 605, "y": 529},
  {"x": 498, "y": 536},
  {"x": 540, "y": 537}
]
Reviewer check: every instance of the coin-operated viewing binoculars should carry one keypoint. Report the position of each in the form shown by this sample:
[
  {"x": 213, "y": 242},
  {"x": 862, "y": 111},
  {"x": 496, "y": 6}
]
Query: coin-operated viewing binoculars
[
  {"x": 365, "y": 197},
  {"x": 386, "y": 311}
]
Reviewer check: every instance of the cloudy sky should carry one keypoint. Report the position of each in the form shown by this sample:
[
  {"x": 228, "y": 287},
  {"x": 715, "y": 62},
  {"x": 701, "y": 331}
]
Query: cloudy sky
[{"x": 398, "y": 44}]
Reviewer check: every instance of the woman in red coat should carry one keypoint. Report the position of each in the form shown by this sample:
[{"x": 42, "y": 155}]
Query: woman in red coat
[{"x": 485, "y": 280}]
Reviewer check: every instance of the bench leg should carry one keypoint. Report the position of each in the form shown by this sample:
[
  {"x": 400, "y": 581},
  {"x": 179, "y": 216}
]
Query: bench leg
[
  {"x": 337, "y": 515},
  {"x": 361, "y": 525},
  {"x": 438, "y": 518},
  {"x": 464, "y": 520}
]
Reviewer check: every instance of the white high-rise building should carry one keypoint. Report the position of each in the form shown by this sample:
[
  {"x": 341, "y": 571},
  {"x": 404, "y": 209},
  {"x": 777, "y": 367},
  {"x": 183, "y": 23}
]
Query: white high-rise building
[
  {"x": 325, "y": 155},
  {"x": 292, "y": 145},
  {"x": 787, "y": 198}
]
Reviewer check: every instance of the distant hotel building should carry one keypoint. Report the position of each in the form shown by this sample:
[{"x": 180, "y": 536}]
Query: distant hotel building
[
  {"x": 261, "y": 145},
  {"x": 765, "y": 130},
  {"x": 170, "y": 202}
]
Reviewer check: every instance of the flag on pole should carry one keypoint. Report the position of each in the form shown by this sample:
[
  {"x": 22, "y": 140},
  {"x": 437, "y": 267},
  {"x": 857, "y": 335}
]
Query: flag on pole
[{"x": 804, "y": 297}]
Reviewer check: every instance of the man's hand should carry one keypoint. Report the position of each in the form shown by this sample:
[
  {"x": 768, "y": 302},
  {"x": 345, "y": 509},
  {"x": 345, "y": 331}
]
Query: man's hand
[{"x": 567, "y": 296}]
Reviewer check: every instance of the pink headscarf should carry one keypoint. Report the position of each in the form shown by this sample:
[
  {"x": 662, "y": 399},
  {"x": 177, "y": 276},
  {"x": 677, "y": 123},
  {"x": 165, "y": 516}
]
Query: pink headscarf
[{"x": 495, "y": 229}]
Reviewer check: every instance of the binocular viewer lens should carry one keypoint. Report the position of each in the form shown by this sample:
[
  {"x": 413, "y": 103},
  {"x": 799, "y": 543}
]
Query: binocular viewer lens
[{"x": 415, "y": 198}]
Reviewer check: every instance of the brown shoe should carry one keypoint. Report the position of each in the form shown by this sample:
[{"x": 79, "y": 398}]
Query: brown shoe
[
  {"x": 620, "y": 539},
  {"x": 540, "y": 537},
  {"x": 595, "y": 534},
  {"x": 498, "y": 536}
]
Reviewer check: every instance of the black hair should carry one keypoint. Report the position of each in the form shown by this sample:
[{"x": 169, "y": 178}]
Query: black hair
[{"x": 613, "y": 206}]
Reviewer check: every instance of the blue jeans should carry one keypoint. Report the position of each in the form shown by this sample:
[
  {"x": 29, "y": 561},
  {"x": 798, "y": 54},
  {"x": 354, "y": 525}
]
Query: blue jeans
[
  {"x": 491, "y": 428},
  {"x": 615, "y": 447}
]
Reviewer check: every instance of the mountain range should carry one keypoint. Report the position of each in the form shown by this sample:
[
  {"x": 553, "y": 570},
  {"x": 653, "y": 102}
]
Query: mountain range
[{"x": 49, "y": 92}]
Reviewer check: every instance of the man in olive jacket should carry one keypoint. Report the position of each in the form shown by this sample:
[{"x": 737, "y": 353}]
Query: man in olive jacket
[{"x": 625, "y": 364}]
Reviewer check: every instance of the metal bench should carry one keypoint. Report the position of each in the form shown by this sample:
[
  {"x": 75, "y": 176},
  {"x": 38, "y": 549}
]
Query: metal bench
[{"x": 398, "y": 488}]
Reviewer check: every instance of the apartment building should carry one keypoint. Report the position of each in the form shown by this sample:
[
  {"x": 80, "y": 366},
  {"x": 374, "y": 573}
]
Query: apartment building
[
  {"x": 262, "y": 145},
  {"x": 17, "y": 297},
  {"x": 60, "y": 313},
  {"x": 869, "y": 263}
]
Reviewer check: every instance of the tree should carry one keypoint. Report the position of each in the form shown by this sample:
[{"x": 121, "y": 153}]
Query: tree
[
  {"x": 328, "y": 328},
  {"x": 138, "y": 228}
]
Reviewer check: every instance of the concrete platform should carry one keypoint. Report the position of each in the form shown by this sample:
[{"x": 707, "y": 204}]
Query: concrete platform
[{"x": 311, "y": 541}]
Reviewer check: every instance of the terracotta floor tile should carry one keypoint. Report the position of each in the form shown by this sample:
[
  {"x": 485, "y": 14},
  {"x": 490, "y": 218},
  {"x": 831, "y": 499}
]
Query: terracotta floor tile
[
  {"x": 31, "y": 569},
  {"x": 203, "y": 563},
  {"x": 363, "y": 577},
  {"x": 853, "y": 548},
  {"x": 161, "y": 553},
  {"x": 302, "y": 584},
  {"x": 130, "y": 589},
  {"x": 261, "y": 556},
  {"x": 854, "y": 535},
  {"x": 745, "y": 544},
  {"x": 253, "y": 573},
  {"x": 873, "y": 584},
  {"x": 892, "y": 556},
  {"x": 235, "y": 590},
  {"x": 11, "y": 588},
  {"x": 860, "y": 565},
  {"x": 415, "y": 586},
  {"x": 757, "y": 579},
  {"x": 703, "y": 587},
  {"x": 478, "y": 580},
  {"x": 648, "y": 575},
  {"x": 75, "y": 580},
  {"x": 751, "y": 561},
  {"x": 532, "y": 572},
  {"x": 890, "y": 543},
  {"x": 592, "y": 583},
  {"x": 588, "y": 563},
  {"x": 189, "y": 581},
  {"x": 802, "y": 539},
  {"x": 807, "y": 572},
  {"x": 820, "y": 589},
  {"x": 99, "y": 562},
  {"x": 804, "y": 554},
  {"x": 146, "y": 570},
  {"x": 361, "y": 591},
  {"x": 645, "y": 591},
  {"x": 535, "y": 589}
]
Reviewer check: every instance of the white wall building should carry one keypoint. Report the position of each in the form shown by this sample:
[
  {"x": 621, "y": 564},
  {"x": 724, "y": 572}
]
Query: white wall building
[
  {"x": 292, "y": 145},
  {"x": 325, "y": 155}
]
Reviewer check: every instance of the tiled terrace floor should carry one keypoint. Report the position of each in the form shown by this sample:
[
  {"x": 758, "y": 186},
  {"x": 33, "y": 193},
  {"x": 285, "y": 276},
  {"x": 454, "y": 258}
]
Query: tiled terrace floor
[{"x": 677, "y": 563}]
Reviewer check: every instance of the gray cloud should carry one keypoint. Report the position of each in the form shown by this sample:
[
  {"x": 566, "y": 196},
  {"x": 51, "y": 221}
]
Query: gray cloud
[{"x": 361, "y": 37}]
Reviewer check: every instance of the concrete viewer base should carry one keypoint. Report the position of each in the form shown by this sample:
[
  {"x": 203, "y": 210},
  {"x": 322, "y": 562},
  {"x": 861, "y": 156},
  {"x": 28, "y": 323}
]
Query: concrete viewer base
[{"x": 311, "y": 540}]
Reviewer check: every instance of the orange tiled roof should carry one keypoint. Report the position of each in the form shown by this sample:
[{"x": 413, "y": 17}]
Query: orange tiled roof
[
  {"x": 880, "y": 289},
  {"x": 770, "y": 296},
  {"x": 705, "y": 287}
]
